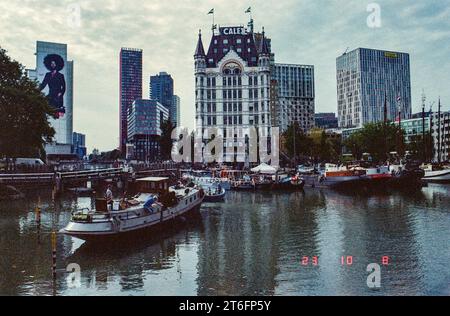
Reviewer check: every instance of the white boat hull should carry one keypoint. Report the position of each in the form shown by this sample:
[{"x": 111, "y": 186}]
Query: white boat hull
[
  {"x": 130, "y": 220},
  {"x": 437, "y": 176}
]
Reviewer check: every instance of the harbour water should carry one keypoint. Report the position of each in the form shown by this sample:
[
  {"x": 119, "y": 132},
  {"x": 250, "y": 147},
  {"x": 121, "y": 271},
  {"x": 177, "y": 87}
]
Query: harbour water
[{"x": 316, "y": 242}]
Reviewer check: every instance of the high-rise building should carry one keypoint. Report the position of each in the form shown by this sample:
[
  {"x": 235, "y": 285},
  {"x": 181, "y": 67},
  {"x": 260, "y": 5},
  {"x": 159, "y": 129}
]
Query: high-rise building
[
  {"x": 175, "y": 111},
  {"x": 130, "y": 87},
  {"x": 366, "y": 78},
  {"x": 295, "y": 96},
  {"x": 144, "y": 126},
  {"x": 232, "y": 87},
  {"x": 79, "y": 145},
  {"x": 54, "y": 74},
  {"x": 326, "y": 120},
  {"x": 161, "y": 90},
  {"x": 440, "y": 132}
]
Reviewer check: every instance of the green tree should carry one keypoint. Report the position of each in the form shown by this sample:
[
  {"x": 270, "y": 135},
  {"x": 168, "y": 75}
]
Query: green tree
[
  {"x": 377, "y": 139},
  {"x": 418, "y": 149},
  {"x": 296, "y": 142},
  {"x": 24, "y": 111},
  {"x": 165, "y": 140}
]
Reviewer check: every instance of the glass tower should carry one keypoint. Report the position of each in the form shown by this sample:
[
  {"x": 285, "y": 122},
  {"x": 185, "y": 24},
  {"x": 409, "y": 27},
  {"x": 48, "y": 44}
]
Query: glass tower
[
  {"x": 130, "y": 87},
  {"x": 368, "y": 77}
]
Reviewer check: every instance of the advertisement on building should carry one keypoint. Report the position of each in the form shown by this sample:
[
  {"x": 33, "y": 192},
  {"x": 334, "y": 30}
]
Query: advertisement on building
[{"x": 54, "y": 75}]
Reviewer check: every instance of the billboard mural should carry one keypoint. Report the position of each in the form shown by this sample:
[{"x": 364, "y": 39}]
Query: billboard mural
[
  {"x": 56, "y": 83},
  {"x": 55, "y": 75}
]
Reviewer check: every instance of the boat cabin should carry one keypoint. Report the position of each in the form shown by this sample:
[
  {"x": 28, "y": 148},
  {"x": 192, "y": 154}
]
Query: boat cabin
[{"x": 153, "y": 185}]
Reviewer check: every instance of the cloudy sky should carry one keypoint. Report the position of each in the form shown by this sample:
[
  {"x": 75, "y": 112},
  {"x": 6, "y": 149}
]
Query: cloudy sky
[{"x": 302, "y": 31}]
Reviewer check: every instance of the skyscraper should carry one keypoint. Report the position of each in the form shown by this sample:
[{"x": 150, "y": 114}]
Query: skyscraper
[
  {"x": 175, "y": 111},
  {"x": 295, "y": 96},
  {"x": 144, "y": 126},
  {"x": 365, "y": 78},
  {"x": 161, "y": 90},
  {"x": 54, "y": 74},
  {"x": 130, "y": 87}
]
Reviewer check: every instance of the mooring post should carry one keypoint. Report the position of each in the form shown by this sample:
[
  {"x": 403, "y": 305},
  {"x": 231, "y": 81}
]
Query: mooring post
[
  {"x": 38, "y": 219},
  {"x": 54, "y": 255}
]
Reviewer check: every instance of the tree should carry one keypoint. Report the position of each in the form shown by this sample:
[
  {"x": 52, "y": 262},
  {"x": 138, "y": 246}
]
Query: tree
[
  {"x": 24, "y": 112},
  {"x": 296, "y": 143},
  {"x": 377, "y": 139},
  {"x": 165, "y": 140}
]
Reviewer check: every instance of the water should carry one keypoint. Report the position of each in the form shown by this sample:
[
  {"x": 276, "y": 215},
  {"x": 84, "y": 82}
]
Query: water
[{"x": 253, "y": 244}]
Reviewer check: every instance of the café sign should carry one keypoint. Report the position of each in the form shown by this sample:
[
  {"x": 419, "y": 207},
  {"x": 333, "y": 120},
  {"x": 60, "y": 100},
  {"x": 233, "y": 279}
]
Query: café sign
[{"x": 233, "y": 31}]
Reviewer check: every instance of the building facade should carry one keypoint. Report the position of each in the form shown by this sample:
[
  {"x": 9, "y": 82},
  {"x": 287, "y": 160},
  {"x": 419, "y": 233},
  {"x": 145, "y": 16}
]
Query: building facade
[
  {"x": 144, "y": 126},
  {"x": 232, "y": 88},
  {"x": 175, "y": 111},
  {"x": 54, "y": 75},
  {"x": 161, "y": 90},
  {"x": 366, "y": 80},
  {"x": 294, "y": 101},
  {"x": 130, "y": 87},
  {"x": 79, "y": 145},
  {"x": 440, "y": 132},
  {"x": 326, "y": 120}
]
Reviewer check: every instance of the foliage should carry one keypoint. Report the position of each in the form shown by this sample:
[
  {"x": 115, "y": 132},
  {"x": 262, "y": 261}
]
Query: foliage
[
  {"x": 24, "y": 111},
  {"x": 377, "y": 139},
  {"x": 165, "y": 140}
]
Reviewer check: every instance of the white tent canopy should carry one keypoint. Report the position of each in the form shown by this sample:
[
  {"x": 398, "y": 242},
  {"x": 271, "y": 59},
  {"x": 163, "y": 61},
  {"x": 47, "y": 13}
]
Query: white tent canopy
[{"x": 265, "y": 168}]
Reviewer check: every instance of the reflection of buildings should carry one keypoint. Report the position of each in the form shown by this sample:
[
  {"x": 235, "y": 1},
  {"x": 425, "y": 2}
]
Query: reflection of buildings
[
  {"x": 130, "y": 87},
  {"x": 62, "y": 147},
  {"x": 365, "y": 77},
  {"x": 144, "y": 127}
]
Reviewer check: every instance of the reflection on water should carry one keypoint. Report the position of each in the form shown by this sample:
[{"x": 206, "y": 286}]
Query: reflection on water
[{"x": 253, "y": 244}]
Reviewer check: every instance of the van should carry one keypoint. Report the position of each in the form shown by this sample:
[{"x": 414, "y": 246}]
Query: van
[{"x": 29, "y": 162}]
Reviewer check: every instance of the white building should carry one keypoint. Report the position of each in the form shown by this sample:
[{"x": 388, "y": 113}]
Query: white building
[
  {"x": 441, "y": 130},
  {"x": 232, "y": 87}
]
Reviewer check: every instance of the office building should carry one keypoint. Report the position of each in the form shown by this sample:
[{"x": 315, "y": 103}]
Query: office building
[
  {"x": 79, "y": 145},
  {"x": 144, "y": 127},
  {"x": 175, "y": 111},
  {"x": 161, "y": 90},
  {"x": 54, "y": 75},
  {"x": 295, "y": 96},
  {"x": 368, "y": 77},
  {"x": 130, "y": 87},
  {"x": 326, "y": 120}
]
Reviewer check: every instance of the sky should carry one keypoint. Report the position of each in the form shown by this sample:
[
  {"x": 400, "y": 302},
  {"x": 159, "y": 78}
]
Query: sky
[{"x": 311, "y": 32}]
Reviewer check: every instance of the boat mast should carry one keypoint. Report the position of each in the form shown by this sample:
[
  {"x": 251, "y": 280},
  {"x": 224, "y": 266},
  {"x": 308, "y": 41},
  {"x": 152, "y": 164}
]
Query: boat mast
[
  {"x": 424, "y": 98},
  {"x": 439, "y": 131}
]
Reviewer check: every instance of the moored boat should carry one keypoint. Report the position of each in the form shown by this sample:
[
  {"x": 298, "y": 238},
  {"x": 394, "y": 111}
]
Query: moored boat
[
  {"x": 438, "y": 176},
  {"x": 214, "y": 194},
  {"x": 156, "y": 204}
]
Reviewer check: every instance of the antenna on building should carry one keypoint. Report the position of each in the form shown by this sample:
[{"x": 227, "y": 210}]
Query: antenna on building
[{"x": 346, "y": 51}]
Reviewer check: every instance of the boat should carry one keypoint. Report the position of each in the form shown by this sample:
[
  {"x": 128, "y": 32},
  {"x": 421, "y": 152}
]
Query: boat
[
  {"x": 378, "y": 177},
  {"x": 438, "y": 176},
  {"x": 214, "y": 194},
  {"x": 405, "y": 177},
  {"x": 245, "y": 184},
  {"x": 341, "y": 177},
  {"x": 290, "y": 183},
  {"x": 202, "y": 178},
  {"x": 156, "y": 204},
  {"x": 10, "y": 193}
]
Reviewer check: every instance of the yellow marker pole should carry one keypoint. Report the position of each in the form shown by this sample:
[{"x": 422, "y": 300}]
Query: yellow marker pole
[{"x": 54, "y": 254}]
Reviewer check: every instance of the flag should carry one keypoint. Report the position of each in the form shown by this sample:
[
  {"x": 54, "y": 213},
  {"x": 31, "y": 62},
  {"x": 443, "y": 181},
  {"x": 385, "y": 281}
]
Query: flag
[
  {"x": 249, "y": 10},
  {"x": 211, "y": 11}
]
